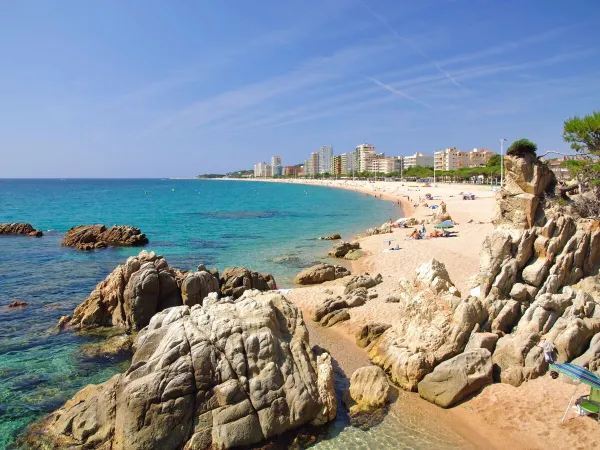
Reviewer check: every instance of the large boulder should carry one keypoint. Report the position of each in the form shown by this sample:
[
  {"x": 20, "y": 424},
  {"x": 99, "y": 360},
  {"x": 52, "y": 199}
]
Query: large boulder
[
  {"x": 222, "y": 375},
  {"x": 196, "y": 286},
  {"x": 89, "y": 237},
  {"x": 441, "y": 215},
  {"x": 340, "y": 250},
  {"x": 235, "y": 281},
  {"x": 130, "y": 295},
  {"x": 455, "y": 379},
  {"x": 320, "y": 273},
  {"x": 19, "y": 228},
  {"x": 369, "y": 388}
]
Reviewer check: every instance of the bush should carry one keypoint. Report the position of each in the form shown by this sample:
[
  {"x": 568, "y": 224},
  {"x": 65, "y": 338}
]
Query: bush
[
  {"x": 522, "y": 147},
  {"x": 587, "y": 205}
]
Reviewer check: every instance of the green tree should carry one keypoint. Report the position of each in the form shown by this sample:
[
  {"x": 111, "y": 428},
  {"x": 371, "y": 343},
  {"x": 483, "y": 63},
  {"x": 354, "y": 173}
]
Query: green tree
[
  {"x": 583, "y": 133},
  {"x": 493, "y": 161},
  {"x": 521, "y": 147}
]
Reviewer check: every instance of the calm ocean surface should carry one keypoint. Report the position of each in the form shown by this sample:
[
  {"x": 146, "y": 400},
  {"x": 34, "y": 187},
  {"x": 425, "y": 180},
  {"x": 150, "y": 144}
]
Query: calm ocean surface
[{"x": 265, "y": 226}]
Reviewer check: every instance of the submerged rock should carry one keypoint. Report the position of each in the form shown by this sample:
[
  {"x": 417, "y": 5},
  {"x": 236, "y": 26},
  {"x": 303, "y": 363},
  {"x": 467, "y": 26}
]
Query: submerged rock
[
  {"x": 331, "y": 237},
  {"x": 19, "y": 228},
  {"x": 89, "y": 237},
  {"x": 227, "y": 374},
  {"x": 17, "y": 304},
  {"x": 320, "y": 273}
]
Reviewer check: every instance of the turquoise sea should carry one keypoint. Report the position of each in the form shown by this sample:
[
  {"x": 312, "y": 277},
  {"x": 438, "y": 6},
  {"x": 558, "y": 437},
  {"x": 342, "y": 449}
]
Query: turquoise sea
[{"x": 265, "y": 226}]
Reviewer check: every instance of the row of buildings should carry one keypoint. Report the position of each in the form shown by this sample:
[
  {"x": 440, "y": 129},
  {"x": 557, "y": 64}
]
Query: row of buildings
[{"x": 364, "y": 158}]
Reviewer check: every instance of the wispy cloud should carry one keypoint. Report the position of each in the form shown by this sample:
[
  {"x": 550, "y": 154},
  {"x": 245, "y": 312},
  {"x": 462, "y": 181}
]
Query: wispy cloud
[
  {"x": 413, "y": 46},
  {"x": 397, "y": 91}
]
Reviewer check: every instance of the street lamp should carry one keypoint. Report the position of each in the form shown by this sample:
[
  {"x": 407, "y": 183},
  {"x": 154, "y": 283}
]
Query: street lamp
[{"x": 502, "y": 141}]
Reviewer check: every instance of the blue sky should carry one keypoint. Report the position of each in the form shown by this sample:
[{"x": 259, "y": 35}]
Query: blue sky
[{"x": 157, "y": 88}]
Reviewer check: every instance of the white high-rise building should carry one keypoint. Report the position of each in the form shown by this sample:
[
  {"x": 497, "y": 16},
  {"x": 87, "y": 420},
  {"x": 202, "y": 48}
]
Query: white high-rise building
[
  {"x": 363, "y": 154},
  {"x": 260, "y": 169},
  {"x": 277, "y": 167},
  {"x": 325, "y": 155}
]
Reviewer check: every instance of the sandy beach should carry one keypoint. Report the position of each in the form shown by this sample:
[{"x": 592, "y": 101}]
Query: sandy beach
[{"x": 501, "y": 416}]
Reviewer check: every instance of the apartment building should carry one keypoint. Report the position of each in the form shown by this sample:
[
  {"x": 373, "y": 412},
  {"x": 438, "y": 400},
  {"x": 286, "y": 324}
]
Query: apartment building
[
  {"x": 363, "y": 154},
  {"x": 418, "y": 159},
  {"x": 479, "y": 157},
  {"x": 336, "y": 166},
  {"x": 451, "y": 159}
]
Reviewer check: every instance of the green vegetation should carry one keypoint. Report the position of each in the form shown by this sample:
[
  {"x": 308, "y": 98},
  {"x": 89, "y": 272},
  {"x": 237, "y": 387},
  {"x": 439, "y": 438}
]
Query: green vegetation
[
  {"x": 240, "y": 173},
  {"x": 494, "y": 161},
  {"x": 211, "y": 175},
  {"x": 583, "y": 133},
  {"x": 522, "y": 147}
]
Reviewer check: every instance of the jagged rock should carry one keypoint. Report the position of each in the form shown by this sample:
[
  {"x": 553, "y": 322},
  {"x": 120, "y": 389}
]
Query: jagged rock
[
  {"x": 365, "y": 281},
  {"x": 370, "y": 333},
  {"x": 430, "y": 333},
  {"x": 17, "y": 304},
  {"x": 196, "y": 286},
  {"x": 19, "y": 228},
  {"x": 89, "y": 237},
  {"x": 331, "y": 237},
  {"x": 527, "y": 181},
  {"x": 482, "y": 340},
  {"x": 236, "y": 280},
  {"x": 569, "y": 320},
  {"x": 455, "y": 379},
  {"x": 340, "y": 250},
  {"x": 320, "y": 273},
  {"x": 433, "y": 274},
  {"x": 328, "y": 306},
  {"x": 369, "y": 388},
  {"x": 219, "y": 376}
]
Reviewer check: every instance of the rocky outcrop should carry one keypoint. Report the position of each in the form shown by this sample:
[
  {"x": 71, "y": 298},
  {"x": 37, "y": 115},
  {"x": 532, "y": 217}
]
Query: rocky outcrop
[
  {"x": 369, "y": 388},
  {"x": 435, "y": 327},
  {"x": 19, "y": 228},
  {"x": 320, "y": 273},
  {"x": 482, "y": 340},
  {"x": 370, "y": 333},
  {"x": 527, "y": 182},
  {"x": 130, "y": 295},
  {"x": 221, "y": 375},
  {"x": 235, "y": 281},
  {"x": 89, "y": 237},
  {"x": 353, "y": 255},
  {"x": 569, "y": 320},
  {"x": 457, "y": 378},
  {"x": 340, "y": 250},
  {"x": 135, "y": 291}
]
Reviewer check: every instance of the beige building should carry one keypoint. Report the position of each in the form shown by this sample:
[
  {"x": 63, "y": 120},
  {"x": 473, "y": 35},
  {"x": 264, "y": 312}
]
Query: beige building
[
  {"x": 479, "y": 157},
  {"x": 363, "y": 154},
  {"x": 418, "y": 159},
  {"x": 451, "y": 159}
]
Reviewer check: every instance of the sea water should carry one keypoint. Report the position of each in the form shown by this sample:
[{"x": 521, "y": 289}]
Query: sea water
[{"x": 269, "y": 227}]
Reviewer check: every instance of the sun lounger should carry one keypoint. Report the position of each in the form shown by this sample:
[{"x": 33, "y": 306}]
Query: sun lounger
[{"x": 590, "y": 404}]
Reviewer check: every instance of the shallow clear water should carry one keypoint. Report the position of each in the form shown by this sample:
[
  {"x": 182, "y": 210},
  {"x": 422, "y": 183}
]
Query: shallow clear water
[{"x": 216, "y": 223}]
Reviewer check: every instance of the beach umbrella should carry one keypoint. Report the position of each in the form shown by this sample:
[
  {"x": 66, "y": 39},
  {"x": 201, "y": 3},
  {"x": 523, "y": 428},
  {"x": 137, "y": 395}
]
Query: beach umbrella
[
  {"x": 444, "y": 225},
  {"x": 579, "y": 374}
]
